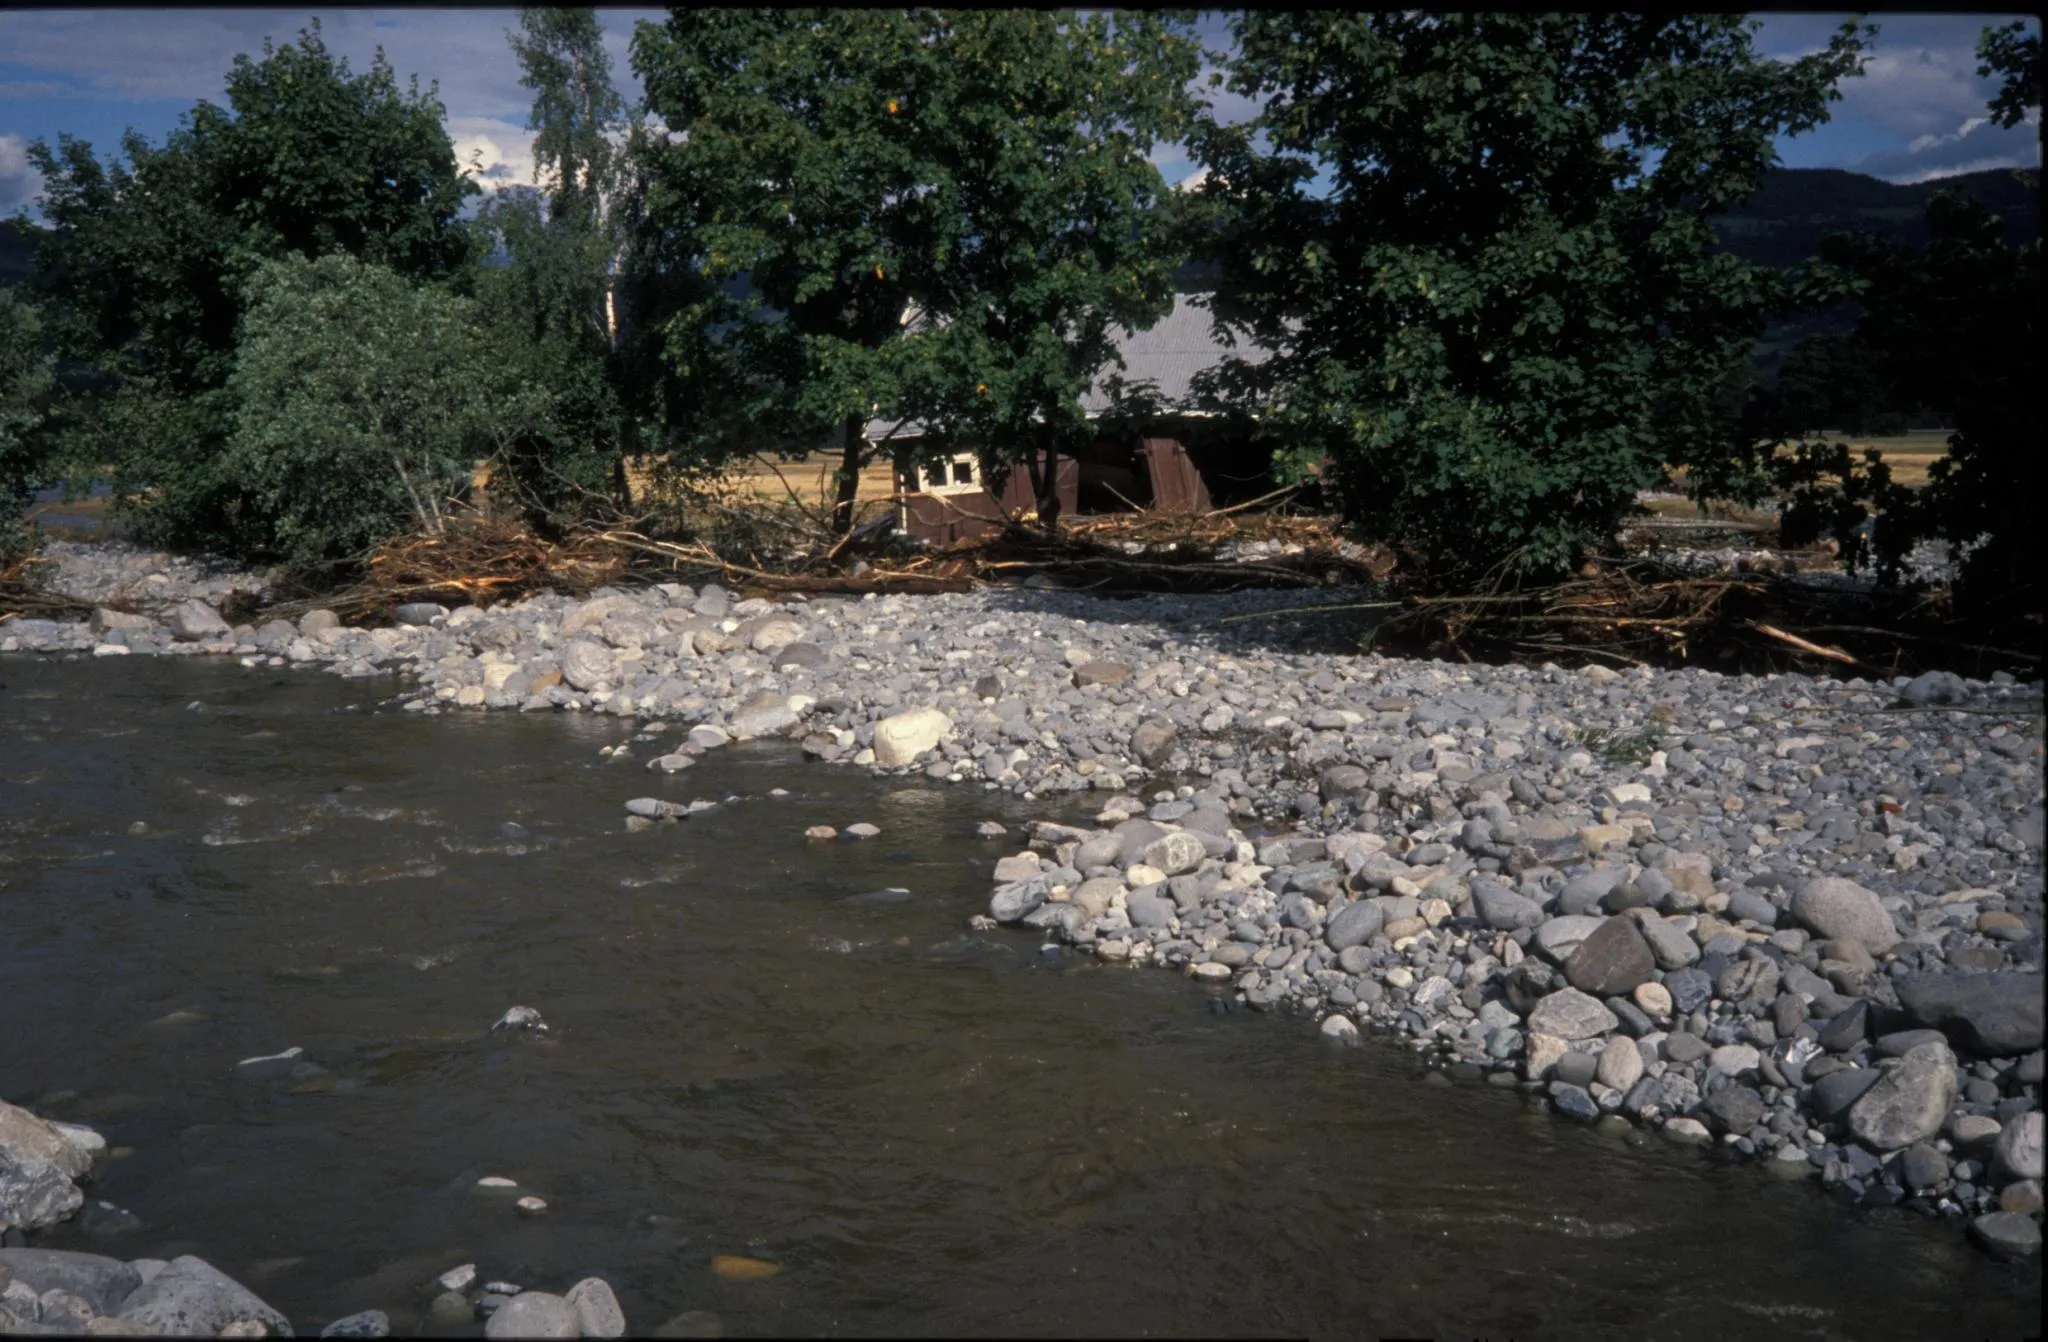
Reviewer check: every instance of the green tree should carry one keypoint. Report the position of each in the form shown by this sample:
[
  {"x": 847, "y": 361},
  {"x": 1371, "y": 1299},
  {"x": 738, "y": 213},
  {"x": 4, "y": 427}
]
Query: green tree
[
  {"x": 26, "y": 379},
  {"x": 146, "y": 260},
  {"x": 790, "y": 178},
  {"x": 2012, "y": 55},
  {"x": 1829, "y": 382},
  {"x": 362, "y": 401},
  {"x": 1039, "y": 127},
  {"x": 1951, "y": 328},
  {"x": 1478, "y": 247},
  {"x": 555, "y": 299}
]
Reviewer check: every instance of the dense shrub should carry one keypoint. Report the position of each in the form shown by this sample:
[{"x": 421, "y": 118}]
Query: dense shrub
[
  {"x": 147, "y": 257},
  {"x": 363, "y": 402}
]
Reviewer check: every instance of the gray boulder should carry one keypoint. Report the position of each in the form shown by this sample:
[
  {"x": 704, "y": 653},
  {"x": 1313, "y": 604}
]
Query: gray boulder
[
  {"x": 1011, "y": 902},
  {"x": 1153, "y": 742},
  {"x": 2018, "y": 1153},
  {"x": 2008, "y": 1234},
  {"x": 1558, "y": 938},
  {"x": 1148, "y": 908},
  {"x": 1734, "y": 1109},
  {"x": 534, "y": 1314},
  {"x": 1354, "y": 925},
  {"x": 1343, "y": 780},
  {"x": 191, "y": 621},
  {"x": 1569, "y": 1014},
  {"x": 367, "y": 1323},
  {"x": 101, "y": 1282},
  {"x": 193, "y": 1298},
  {"x": 1996, "y": 1015},
  {"x": 1611, "y": 961},
  {"x": 1834, "y": 1094},
  {"x": 1175, "y": 853},
  {"x": 1909, "y": 1103},
  {"x": 1837, "y": 909},
  {"x": 587, "y": 664},
  {"x": 1671, "y": 948},
  {"x": 597, "y": 1308},
  {"x": 1502, "y": 909}
]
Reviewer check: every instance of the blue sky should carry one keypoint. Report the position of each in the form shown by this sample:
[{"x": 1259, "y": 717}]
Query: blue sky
[{"x": 1916, "y": 113}]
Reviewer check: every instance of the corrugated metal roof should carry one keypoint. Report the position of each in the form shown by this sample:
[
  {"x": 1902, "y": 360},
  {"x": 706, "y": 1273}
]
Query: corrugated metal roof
[
  {"x": 1164, "y": 357},
  {"x": 1168, "y": 356}
]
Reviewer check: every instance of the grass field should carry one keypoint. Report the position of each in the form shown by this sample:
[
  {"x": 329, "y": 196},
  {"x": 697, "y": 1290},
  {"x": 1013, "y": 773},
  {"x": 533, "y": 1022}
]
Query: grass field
[{"x": 1908, "y": 454}]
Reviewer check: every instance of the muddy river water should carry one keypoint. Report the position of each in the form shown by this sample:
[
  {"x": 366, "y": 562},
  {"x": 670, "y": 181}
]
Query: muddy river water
[{"x": 930, "y": 1131}]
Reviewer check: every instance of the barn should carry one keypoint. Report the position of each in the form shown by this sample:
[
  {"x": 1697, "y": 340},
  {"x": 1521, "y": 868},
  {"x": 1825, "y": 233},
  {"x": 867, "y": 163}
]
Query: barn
[{"x": 1174, "y": 463}]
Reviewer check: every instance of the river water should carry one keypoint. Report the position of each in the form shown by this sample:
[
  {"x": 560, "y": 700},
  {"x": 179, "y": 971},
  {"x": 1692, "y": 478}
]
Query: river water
[{"x": 929, "y": 1131}]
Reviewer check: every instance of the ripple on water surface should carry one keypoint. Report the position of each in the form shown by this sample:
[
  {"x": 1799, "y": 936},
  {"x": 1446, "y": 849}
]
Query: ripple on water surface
[{"x": 755, "y": 1057}]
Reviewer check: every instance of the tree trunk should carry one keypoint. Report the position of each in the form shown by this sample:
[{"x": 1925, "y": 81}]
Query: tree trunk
[
  {"x": 1046, "y": 484},
  {"x": 849, "y": 477}
]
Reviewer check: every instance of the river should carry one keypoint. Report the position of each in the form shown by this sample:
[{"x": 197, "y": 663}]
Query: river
[{"x": 930, "y": 1131}]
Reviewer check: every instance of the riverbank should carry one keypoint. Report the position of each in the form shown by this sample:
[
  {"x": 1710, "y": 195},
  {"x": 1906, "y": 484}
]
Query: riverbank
[{"x": 1798, "y": 919}]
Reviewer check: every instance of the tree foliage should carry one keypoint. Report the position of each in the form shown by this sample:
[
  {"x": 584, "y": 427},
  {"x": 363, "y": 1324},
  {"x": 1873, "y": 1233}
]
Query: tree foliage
[
  {"x": 553, "y": 290},
  {"x": 148, "y": 255},
  {"x": 2011, "y": 55},
  {"x": 1950, "y": 327},
  {"x": 794, "y": 183},
  {"x": 26, "y": 379},
  {"x": 362, "y": 401},
  {"x": 1062, "y": 230},
  {"x": 1479, "y": 248},
  {"x": 912, "y": 212}
]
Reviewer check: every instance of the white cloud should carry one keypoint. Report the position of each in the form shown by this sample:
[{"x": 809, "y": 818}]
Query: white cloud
[
  {"x": 501, "y": 151},
  {"x": 20, "y": 183},
  {"x": 1974, "y": 146},
  {"x": 1922, "y": 91}
]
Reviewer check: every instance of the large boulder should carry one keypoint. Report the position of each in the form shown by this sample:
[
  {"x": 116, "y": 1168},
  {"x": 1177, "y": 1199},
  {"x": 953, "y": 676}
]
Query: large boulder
[
  {"x": 1153, "y": 742},
  {"x": 1557, "y": 939},
  {"x": 1354, "y": 924},
  {"x": 1503, "y": 909},
  {"x": 1174, "y": 853},
  {"x": 1011, "y": 902},
  {"x": 762, "y": 713},
  {"x": 597, "y": 1308},
  {"x": 1995, "y": 1015},
  {"x": 534, "y": 1314},
  {"x": 2018, "y": 1153},
  {"x": 103, "y": 1283},
  {"x": 195, "y": 620},
  {"x": 1835, "y": 908},
  {"x": 1611, "y": 961},
  {"x": 586, "y": 664},
  {"x": 38, "y": 1162},
  {"x": 193, "y": 1298},
  {"x": 1569, "y": 1014},
  {"x": 901, "y": 739},
  {"x": 1908, "y": 1104}
]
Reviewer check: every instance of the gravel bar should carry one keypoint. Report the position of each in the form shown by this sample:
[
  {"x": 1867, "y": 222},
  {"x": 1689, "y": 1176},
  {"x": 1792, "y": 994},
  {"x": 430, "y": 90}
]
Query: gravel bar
[{"x": 1795, "y": 919}]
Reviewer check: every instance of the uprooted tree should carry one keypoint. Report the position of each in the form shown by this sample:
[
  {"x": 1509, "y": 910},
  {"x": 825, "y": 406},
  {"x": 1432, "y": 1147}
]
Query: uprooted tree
[{"x": 1479, "y": 249}]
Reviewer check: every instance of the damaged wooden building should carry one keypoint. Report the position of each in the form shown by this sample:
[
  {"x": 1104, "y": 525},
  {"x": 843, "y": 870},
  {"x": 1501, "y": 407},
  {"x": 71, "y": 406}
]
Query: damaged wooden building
[{"x": 1183, "y": 459}]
